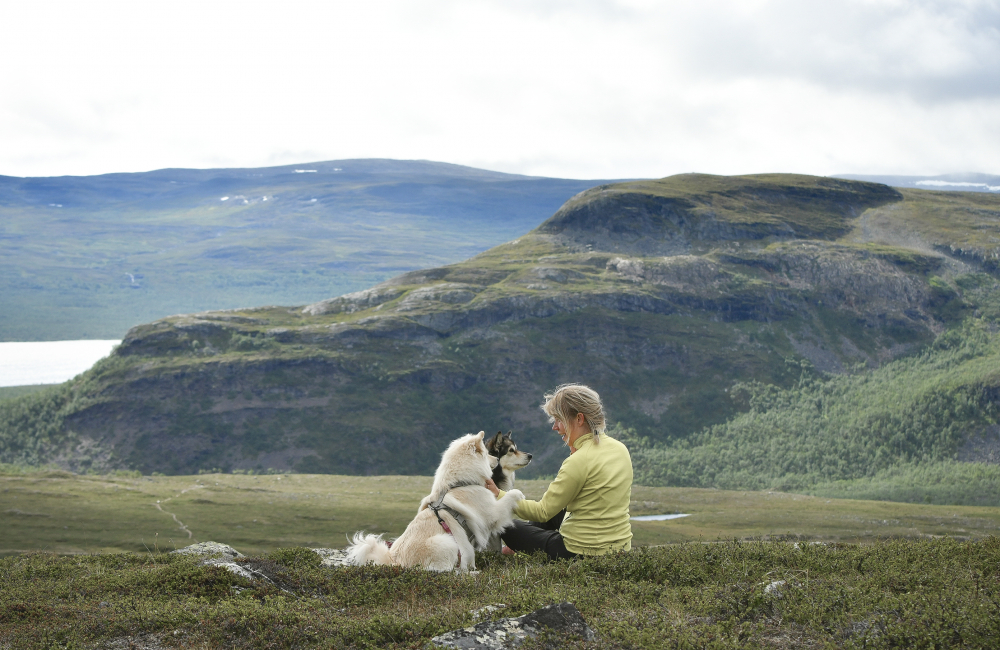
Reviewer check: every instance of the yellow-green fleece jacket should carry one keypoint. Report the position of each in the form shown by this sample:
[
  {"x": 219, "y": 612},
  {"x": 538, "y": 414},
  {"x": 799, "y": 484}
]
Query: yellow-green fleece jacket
[{"x": 595, "y": 486}]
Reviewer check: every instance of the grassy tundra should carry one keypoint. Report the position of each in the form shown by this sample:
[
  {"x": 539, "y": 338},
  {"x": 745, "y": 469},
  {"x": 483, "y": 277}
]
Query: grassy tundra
[
  {"x": 68, "y": 514},
  {"x": 923, "y": 576},
  {"x": 890, "y": 594}
]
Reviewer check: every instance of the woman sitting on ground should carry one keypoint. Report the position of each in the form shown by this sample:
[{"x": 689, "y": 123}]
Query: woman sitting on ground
[{"x": 585, "y": 509}]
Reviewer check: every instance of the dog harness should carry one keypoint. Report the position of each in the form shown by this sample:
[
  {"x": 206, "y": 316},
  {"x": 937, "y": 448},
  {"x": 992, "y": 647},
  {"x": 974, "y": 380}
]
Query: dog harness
[{"x": 438, "y": 505}]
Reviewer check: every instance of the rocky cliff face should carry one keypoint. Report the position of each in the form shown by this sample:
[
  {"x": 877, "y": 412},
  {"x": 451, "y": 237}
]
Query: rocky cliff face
[
  {"x": 697, "y": 212},
  {"x": 660, "y": 295}
]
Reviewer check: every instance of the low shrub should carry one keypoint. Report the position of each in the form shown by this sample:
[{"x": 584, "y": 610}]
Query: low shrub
[{"x": 892, "y": 594}]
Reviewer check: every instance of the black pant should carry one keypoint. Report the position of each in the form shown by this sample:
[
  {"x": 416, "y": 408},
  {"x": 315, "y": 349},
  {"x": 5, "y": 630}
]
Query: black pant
[{"x": 530, "y": 536}]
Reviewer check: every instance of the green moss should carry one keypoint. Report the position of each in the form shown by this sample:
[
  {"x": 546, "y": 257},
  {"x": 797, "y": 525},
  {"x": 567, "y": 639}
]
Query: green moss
[{"x": 727, "y": 595}]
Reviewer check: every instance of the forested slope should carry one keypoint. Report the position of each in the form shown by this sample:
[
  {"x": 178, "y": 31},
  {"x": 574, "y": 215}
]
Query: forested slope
[{"x": 922, "y": 428}]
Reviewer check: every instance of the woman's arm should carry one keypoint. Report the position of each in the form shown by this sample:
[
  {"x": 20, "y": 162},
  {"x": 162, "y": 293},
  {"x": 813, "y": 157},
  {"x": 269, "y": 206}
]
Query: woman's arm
[{"x": 560, "y": 493}]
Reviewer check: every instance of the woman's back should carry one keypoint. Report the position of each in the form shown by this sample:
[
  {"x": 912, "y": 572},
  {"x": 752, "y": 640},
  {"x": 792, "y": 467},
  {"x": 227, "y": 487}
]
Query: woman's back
[{"x": 597, "y": 519}]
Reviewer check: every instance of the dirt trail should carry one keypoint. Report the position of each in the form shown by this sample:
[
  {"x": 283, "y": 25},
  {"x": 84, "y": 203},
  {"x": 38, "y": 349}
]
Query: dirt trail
[{"x": 180, "y": 523}]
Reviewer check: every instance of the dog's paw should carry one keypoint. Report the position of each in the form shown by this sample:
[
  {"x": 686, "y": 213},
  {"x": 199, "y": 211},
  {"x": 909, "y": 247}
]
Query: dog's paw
[{"x": 516, "y": 494}]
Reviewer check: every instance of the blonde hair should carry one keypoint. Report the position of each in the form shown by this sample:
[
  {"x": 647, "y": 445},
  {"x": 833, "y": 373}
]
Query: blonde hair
[{"x": 569, "y": 400}]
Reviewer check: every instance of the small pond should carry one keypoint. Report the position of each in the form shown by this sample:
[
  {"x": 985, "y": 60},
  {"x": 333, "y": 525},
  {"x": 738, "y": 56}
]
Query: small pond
[{"x": 657, "y": 517}]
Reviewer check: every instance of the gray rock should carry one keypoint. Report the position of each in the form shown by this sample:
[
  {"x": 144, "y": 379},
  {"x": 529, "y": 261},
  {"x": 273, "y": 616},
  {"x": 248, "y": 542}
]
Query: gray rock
[
  {"x": 483, "y": 612},
  {"x": 221, "y": 554},
  {"x": 864, "y": 631},
  {"x": 357, "y": 301},
  {"x": 562, "y": 618},
  {"x": 241, "y": 571},
  {"x": 774, "y": 589},
  {"x": 332, "y": 556},
  {"x": 216, "y": 554},
  {"x": 210, "y": 550}
]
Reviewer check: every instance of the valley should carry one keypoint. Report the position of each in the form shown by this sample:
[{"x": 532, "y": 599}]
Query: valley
[
  {"x": 69, "y": 514},
  {"x": 88, "y": 257},
  {"x": 780, "y": 332}
]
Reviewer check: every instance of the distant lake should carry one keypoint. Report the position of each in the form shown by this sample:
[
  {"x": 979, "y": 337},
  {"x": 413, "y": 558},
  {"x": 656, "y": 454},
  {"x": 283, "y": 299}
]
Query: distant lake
[
  {"x": 657, "y": 517},
  {"x": 49, "y": 362}
]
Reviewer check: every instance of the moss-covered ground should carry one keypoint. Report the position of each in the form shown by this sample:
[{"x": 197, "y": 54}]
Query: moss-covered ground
[{"x": 733, "y": 594}]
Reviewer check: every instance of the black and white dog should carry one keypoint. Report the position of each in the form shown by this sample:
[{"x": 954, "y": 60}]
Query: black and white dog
[
  {"x": 505, "y": 450},
  {"x": 510, "y": 460}
]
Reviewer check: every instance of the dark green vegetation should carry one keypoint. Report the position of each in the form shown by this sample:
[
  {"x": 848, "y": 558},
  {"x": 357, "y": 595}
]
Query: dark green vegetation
[
  {"x": 670, "y": 297},
  {"x": 63, "y": 513},
  {"x": 89, "y": 257},
  {"x": 893, "y": 594},
  {"x": 10, "y": 392},
  {"x": 921, "y": 428}
]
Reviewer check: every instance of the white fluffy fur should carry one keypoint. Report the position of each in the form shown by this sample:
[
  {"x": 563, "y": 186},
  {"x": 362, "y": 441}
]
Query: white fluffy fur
[{"x": 424, "y": 543}]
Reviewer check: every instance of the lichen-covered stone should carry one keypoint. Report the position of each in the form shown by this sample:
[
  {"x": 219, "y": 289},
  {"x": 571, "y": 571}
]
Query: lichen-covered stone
[
  {"x": 222, "y": 555},
  {"x": 561, "y": 618},
  {"x": 210, "y": 549},
  {"x": 332, "y": 556}
]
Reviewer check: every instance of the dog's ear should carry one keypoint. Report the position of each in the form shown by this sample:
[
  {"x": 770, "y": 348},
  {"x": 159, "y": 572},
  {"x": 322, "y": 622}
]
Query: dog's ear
[
  {"x": 476, "y": 445},
  {"x": 510, "y": 434},
  {"x": 496, "y": 440}
]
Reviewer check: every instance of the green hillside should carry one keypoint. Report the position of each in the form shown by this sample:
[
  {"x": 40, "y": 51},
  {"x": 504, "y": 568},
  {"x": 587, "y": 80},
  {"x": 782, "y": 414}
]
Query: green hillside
[
  {"x": 922, "y": 428},
  {"x": 666, "y": 296},
  {"x": 89, "y": 257}
]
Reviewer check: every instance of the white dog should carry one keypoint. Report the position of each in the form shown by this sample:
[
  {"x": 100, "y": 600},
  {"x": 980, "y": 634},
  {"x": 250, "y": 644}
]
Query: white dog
[{"x": 456, "y": 518}]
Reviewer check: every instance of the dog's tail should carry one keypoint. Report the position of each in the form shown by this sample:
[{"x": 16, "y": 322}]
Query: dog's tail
[{"x": 368, "y": 548}]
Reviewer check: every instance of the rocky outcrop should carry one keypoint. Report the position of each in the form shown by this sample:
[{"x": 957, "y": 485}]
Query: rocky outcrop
[
  {"x": 353, "y": 302},
  {"x": 981, "y": 447},
  {"x": 562, "y": 620},
  {"x": 223, "y": 555},
  {"x": 671, "y": 217},
  {"x": 211, "y": 551}
]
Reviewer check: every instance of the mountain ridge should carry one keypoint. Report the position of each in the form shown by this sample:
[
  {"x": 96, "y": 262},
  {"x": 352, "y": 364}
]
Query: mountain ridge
[
  {"x": 343, "y": 384},
  {"x": 89, "y": 257}
]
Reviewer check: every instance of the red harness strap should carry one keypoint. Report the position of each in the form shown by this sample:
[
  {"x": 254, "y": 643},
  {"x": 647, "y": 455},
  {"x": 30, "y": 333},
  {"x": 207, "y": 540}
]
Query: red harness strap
[
  {"x": 438, "y": 505},
  {"x": 444, "y": 525}
]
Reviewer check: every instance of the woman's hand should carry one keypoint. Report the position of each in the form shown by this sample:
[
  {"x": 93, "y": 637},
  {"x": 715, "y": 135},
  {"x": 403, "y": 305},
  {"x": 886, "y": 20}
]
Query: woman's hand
[{"x": 492, "y": 487}]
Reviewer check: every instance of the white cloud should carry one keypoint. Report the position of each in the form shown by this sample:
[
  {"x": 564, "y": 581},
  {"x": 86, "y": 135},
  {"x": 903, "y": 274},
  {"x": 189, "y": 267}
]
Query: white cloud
[{"x": 577, "y": 89}]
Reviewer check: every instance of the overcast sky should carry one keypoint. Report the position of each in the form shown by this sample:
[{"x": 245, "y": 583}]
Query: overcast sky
[{"x": 576, "y": 88}]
